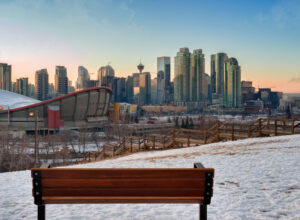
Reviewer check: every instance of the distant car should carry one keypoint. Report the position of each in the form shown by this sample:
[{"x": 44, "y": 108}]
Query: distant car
[{"x": 150, "y": 122}]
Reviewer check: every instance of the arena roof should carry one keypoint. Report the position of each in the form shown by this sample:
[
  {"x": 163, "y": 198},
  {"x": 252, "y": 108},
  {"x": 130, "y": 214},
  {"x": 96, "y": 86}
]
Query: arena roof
[
  {"x": 81, "y": 108},
  {"x": 13, "y": 100}
]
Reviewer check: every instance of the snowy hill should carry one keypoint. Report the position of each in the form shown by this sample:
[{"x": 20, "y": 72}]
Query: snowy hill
[{"x": 254, "y": 179}]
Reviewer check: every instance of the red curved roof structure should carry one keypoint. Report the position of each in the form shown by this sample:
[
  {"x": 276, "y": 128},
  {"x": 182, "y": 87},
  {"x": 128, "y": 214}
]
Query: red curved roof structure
[{"x": 75, "y": 109}]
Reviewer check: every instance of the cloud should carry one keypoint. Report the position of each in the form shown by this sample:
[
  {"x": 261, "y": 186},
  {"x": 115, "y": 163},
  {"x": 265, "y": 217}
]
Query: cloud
[
  {"x": 131, "y": 13},
  {"x": 285, "y": 12},
  {"x": 295, "y": 80}
]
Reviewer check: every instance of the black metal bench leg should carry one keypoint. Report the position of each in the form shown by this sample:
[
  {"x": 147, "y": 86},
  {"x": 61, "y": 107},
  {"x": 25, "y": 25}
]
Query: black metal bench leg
[
  {"x": 41, "y": 212},
  {"x": 203, "y": 212}
]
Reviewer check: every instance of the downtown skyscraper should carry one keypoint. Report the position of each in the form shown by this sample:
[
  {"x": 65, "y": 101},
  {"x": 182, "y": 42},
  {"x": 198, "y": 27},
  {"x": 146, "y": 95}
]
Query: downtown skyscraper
[
  {"x": 163, "y": 80},
  {"x": 197, "y": 71},
  {"x": 106, "y": 75},
  {"x": 5, "y": 77},
  {"x": 182, "y": 76},
  {"x": 22, "y": 86},
  {"x": 190, "y": 81},
  {"x": 41, "y": 84},
  {"x": 217, "y": 73},
  {"x": 232, "y": 84},
  {"x": 145, "y": 88},
  {"x": 83, "y": 78},
  {"x": 61, "y": 80}
]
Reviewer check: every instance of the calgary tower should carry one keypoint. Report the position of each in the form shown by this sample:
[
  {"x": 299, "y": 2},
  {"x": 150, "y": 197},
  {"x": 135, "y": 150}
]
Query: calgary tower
[{"x": 140, "y": 67}]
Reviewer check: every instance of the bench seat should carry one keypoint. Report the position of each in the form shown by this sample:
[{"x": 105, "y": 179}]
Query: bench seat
[
  {"x": 120, "y": 199},
  {"x": 122, "y": 185}
]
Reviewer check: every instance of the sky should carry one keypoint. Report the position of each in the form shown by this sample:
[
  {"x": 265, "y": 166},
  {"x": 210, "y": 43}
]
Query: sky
[{"x": 263, "y": 35}]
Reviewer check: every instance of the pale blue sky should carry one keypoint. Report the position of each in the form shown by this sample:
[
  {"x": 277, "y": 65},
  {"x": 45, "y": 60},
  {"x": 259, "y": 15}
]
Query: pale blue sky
[{"x": 263, "y": 35}]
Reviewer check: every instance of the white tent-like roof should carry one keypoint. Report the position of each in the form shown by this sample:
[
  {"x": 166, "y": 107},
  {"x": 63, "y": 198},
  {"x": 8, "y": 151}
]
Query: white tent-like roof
[{"x": 13, "y": 100}]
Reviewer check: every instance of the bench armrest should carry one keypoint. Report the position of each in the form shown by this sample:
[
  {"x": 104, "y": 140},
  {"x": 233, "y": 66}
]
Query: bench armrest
[{"x": 198, "y": 165}]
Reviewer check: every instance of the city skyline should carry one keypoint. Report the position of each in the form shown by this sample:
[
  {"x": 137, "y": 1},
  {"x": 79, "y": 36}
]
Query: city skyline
[{"x": 263, "y": 36}]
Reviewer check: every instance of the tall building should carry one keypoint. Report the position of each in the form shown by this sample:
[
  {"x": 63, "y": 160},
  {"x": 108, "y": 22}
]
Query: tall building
[
  {"x": 106, "y": 76},
  {"x": 119, "y": 90},
  {"x": 247, "y": 91},
  {"x": 207, "y": 87},
  {"x": 197, "y": 69},
  {"x": 92, "y": 83},
  {"x": 71, "y": 88},
  {"x": 51, "y": 91},
  {"x": 83, "y": 78},
  {"x": 31, "y": 90},
  {"x": 14, "y": 87},
  {"x": 61, "y": 80},
  {"x": 182, "y": 76},
  {"x": 22, "y": 86},
  {"x": 163, "y": 79},
  {"x": 41, "y": 84},
  {"x": 129, "y": 89},
  {"x": 145, "y": 88},
  {"x": 5, "y": 77},
  {"x": 136, "y": 79},
  {"x": 217, "y": 73},
  {"x": 232, "y": 97},
  {"x": 154, "y": 90}
]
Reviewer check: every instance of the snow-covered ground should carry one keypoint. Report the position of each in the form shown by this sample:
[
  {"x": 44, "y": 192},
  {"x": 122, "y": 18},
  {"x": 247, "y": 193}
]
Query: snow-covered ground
[{"x": 254, "y": 179}]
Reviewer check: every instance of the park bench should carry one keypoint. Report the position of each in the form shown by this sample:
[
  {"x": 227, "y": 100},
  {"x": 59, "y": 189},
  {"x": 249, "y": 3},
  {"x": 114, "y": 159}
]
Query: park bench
[{"x": 118, "y": 185}]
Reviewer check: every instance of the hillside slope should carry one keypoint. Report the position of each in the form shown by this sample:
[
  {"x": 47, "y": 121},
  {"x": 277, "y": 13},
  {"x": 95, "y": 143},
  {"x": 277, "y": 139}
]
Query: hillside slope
[{"x": 254, "y": 179}]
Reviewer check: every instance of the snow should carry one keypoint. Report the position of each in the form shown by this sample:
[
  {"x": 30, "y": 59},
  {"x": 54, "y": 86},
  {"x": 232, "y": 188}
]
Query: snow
[
  {"x": 255, "y": 178},
  {"x": 14, "y": 100}
]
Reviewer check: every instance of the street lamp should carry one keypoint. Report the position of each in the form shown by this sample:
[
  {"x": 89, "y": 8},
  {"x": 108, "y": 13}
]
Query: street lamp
[{"x": 35, "y": 115}]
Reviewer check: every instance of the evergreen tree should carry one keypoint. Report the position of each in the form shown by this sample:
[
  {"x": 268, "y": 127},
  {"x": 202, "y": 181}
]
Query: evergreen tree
[
  {"x": 191, "y": 123},
  {"x": 288, "y": 112},
  {"x": 182, "y": 123},
  {"x": 187, "y": 123},
  {"x": 136, "y": 120},
  {"x": 169, "y": 120},
  {"x": 176, "y": 122}
]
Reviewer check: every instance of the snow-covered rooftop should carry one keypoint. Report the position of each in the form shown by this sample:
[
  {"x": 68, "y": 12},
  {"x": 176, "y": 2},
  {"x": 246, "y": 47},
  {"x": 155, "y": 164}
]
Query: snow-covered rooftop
[
  {"x": 254, "y": 179},
  {"x": 13, "y": 100}
]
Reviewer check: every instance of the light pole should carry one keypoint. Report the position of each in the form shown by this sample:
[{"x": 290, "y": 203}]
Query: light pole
[{"x": 35, "y": 115}]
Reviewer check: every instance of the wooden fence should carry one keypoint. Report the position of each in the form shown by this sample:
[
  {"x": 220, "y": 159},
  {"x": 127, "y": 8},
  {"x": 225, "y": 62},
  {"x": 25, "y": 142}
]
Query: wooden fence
[{"x": 179, "y": 138}]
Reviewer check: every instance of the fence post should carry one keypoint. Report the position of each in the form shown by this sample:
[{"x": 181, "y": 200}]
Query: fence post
[
  {"x": 249, "y": 131},
  {"x": 173, "y": 138},
  {"x": 205, "y": 137},
  {"x": 124, "y": 144},
  {"x": 131, "y": 144},
  {"x": 153, "y": 142},
  {"x": 275, "y": 127},
  {"x": 139, "y": 144},
  {"x": 218, "y": 132},
  {"x": 259, "y": 128},
  {"x": 103, "y": 152},
  {"x": 232, "y": 131},
  {"x": 292, "y": 127}
]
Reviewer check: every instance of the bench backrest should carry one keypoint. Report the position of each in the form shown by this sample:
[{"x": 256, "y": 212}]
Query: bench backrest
[{"x": 84, "y": 184}]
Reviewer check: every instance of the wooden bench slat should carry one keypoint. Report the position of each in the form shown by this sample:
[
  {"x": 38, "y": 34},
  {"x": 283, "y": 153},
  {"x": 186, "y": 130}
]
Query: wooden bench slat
[
  {"x": 139, "y": 183},
  {"x": 179, "y": 191},
  {"x": 61, "y": 173},
  {"x": 120, "y": 199},
  {"x": 119, "y": 185}
]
